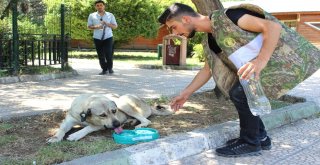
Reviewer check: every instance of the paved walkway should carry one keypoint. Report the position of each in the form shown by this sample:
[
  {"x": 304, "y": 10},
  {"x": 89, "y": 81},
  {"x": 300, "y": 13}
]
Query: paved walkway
[
  {"x": 35, "y": 97},
  {"x": 293, "y": 144}
]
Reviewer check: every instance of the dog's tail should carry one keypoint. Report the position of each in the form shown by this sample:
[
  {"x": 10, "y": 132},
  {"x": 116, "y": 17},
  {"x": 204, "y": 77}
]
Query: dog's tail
[{"x": 162, "y": 110}]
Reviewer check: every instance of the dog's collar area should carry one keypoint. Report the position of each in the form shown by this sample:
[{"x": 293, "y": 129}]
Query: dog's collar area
[{"x": 84, "y": 115}]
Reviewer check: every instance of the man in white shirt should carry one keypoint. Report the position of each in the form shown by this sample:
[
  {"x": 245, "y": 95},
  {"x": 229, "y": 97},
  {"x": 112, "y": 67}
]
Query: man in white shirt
[{"x": 102, "y": 23}]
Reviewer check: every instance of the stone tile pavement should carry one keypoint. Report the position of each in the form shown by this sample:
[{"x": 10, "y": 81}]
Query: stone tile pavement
[{"x": 25, "y": 98}]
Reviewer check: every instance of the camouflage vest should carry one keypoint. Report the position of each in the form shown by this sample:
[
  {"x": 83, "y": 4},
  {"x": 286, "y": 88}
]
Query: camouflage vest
[{"x": 293, "y": 60}]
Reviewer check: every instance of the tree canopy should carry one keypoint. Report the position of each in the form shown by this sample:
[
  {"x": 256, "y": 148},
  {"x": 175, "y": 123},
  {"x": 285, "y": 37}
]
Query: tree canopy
[{"x": 134, "y": 17}]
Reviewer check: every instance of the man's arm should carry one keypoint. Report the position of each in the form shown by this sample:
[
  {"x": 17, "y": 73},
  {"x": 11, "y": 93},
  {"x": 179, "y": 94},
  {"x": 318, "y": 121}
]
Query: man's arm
[
  {"x": 198, "y": 81},
  {"x": 271, "y": 33},
  {"x": 92, "y": 27},
  {"x": 111, "y": 25},
  {"x": 90, "y": 24}
]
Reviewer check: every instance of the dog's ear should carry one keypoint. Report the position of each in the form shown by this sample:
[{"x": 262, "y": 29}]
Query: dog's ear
[
  {"x": 115, "y": 104},
  {"x": 84, "y": 115},
  {"x": 160, "y": 108}
]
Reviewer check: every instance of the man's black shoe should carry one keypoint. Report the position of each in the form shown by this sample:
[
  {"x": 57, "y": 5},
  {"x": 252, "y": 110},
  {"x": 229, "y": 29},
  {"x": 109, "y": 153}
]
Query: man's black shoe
[
  {"x": 265, "y": 144},
  {"x": 239, "y": 148},
  {"x": 103, "y": 72},
  {"x": 111, "y": 71}
]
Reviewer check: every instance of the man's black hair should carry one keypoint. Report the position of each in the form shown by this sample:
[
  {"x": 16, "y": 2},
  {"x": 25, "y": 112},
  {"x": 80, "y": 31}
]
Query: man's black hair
[
  {"x": 175, "y": 10},
  {"x": 99, "y": 1}
]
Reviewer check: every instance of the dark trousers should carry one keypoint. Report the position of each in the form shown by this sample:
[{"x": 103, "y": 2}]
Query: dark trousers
[
  {"x": 104, "y": 50},
  {"x": 252, "y": 129}
]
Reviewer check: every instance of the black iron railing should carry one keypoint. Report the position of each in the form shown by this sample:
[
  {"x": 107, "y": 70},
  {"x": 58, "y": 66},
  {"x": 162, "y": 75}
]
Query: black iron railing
[
  {"x": 33, "y": 50},
  {"x": 28, "y": 43}
]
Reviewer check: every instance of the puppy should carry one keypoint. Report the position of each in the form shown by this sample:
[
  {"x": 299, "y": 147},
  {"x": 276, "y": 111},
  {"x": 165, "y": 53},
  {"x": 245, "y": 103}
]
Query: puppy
[{"x": 96, "y": 112}]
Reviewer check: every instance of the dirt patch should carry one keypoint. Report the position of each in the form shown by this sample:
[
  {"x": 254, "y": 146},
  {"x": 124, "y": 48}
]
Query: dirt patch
[{"x": 23, "y": 140}]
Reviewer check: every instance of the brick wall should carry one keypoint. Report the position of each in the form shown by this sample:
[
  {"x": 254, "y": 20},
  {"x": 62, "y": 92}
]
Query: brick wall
[
  {"x": 310, "y": 33},
  {"x": 144, "y": 43},
  {"x": 82, "y": 44}
]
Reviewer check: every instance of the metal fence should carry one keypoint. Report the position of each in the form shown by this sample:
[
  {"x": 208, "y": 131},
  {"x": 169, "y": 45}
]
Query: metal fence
[
  {"x": 42, "y": 42},
  {"x": 34, "y": 50}
]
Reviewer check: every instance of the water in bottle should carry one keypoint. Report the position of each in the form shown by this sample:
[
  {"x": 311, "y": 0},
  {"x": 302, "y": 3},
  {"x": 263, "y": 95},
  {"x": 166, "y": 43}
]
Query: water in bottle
[{"x": 257, "y": 100}]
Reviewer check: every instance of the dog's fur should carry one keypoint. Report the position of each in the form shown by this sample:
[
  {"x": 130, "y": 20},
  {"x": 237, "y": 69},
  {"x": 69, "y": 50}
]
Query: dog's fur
[{"x": 96, "y": 112}]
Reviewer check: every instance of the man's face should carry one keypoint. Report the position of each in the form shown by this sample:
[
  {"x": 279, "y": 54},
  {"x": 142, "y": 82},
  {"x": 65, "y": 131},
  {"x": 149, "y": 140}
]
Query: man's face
[
  {"x": 181, "y": 28},
  {"x": 100, "y": 7}
]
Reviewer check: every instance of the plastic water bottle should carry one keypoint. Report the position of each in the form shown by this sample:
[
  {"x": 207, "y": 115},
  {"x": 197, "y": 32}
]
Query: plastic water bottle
[{"x": 257, "y": 100}]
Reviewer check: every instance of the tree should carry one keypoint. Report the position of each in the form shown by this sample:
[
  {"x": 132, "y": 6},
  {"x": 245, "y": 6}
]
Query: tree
[
  {"x": 300, "y": 57},
  {"x": 4, "y": 8},
  {"x": 135, "y": 18}
]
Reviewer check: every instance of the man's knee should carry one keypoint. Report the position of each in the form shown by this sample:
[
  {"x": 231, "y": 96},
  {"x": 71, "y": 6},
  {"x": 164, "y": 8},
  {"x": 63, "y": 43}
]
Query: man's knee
[{"x": 237, "y": 94}]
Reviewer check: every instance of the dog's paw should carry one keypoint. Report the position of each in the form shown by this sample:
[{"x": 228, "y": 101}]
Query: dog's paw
[
  {"x": 131, "y": 122},
  {"x": 141, "y": 125},
  {"x": 74, "y": 137},
  {"x": 53, "y": 139}
]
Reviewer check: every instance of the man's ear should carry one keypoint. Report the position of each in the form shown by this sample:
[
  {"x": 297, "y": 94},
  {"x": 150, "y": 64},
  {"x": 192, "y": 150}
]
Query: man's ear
[
  {"x": 186, "y": 19},
  {"x": 84, "y": 115}
]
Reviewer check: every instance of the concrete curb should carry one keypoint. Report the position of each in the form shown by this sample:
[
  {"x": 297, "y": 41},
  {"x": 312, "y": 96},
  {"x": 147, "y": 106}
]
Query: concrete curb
[
  {"x": 45, "y": 77},
  {"x": 187, "y": 144}
]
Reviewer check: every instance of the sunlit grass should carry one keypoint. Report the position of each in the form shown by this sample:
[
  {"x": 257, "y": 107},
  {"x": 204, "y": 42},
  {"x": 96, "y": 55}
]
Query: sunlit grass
[{"x": 137, "y": 58}]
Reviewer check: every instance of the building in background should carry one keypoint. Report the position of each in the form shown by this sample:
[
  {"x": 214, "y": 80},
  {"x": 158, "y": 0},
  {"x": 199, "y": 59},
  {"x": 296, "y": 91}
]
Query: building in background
[{"x": 300, "y": 15}]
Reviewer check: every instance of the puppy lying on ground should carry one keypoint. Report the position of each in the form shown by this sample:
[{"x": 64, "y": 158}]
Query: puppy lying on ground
[{"x": 96, "y": 112}]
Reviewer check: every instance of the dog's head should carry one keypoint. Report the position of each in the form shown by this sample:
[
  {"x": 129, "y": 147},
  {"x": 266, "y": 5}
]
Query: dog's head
[{"x": 100, "y": 111}]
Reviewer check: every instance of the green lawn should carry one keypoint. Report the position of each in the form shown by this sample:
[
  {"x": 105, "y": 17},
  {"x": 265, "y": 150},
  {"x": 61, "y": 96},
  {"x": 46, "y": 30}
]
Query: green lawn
[{"x": 138, "y": 58}]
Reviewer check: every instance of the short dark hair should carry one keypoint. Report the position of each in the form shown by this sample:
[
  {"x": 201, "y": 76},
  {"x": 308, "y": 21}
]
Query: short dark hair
[
  {"x": 99, "y": 1},
  {"x": 176, "y": 10}
]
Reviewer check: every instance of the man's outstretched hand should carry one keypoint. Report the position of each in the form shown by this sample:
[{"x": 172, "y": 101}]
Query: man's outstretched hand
[{"x": 177, "y": 102}]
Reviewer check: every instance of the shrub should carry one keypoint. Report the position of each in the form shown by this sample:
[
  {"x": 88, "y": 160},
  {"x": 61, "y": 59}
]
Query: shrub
[{"x": 198, "y": 52}]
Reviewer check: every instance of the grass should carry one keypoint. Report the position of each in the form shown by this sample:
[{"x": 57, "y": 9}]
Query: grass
[
  {"x": 137, "y": 58},
  {"x": 49, "y": 154},
  {"x": 5, "y": 127},
  {"x": 33, "y": 70},
  {"x": 42, "y": 70},
  {"x": 5, "y": 139},
  {"x": 65, "y": 150}
]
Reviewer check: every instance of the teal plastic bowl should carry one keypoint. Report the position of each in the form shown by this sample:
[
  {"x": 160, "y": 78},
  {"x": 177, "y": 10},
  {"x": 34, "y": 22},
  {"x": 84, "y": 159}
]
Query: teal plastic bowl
[{"x": 136, "y": 136}]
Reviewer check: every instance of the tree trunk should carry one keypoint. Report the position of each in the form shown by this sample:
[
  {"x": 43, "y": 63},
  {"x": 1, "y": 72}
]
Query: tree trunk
[
  {"x": 205, "y": 7},
  {"x": 225, "y": 78}
]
